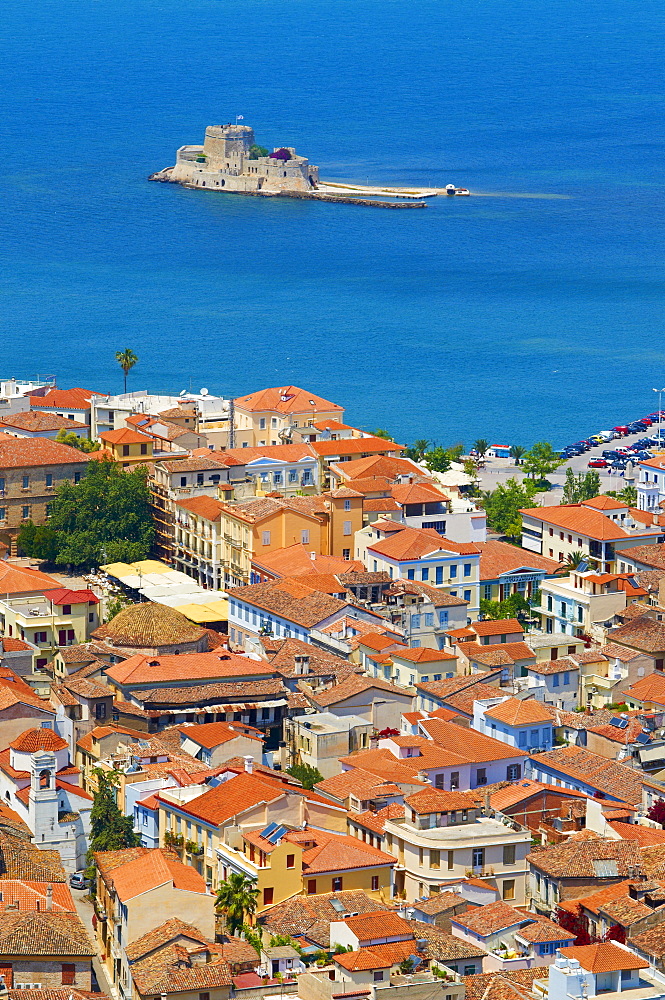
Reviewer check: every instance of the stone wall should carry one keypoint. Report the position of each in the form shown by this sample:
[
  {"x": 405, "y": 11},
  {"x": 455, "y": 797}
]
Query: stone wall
[{"x": 49, "y": 974}]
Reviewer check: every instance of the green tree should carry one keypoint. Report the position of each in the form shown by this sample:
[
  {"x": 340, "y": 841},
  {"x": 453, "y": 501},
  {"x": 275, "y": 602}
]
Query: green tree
[
  {"x": 510, "y": 607},
  {"x": 126, "y": 359},
  {"x": 74, "y": 441},
  {"x": 256, "y": 151},
  {"x": 455, "y": 451},
  {"x": 416, "y": 451},
  {"x": 541, "y": 461},
  {"x": 115, "y": 606},
  {"x": 437, "y": 459},
  {"x": 481, "y": 446},
  {"x": 381, "y": 433},
  {"x": 237, "y": 897},
  {"x": 503, "y": 506},
  {"x": 109, "y": 829},
  {"x": 26, "y": 539},
  {"x": 307, "y": 775},
  {"x": 516, "y": 452},
  {"x": 627, "y": 495},
  {"x": 105, "y": 517},
  {"x": 573, "y": 560},
  {"x": 580, "y": 487}
]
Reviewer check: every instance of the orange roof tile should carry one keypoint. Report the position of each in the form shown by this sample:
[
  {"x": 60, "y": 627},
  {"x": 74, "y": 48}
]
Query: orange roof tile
[
  {"x": 575, "y": 517},
  {"x": 38, "y": 739},
  {"x": 414, "y": 543},
  {"x": 149, "y": 870},
  {"x": 433, "y": 800},
  {"x": 186, "y": 667},
  {"x": 607, "y": 957},
  {"x": 124, "y": 435},
  {"x": 208, "y": 508},
  {"x": 355, "y": 446},
  {"x": 17, "y": 453},
  {"x": 502, "y": 626},
  {"x": 381, "y": 923},
  {"x": 519, "y": 713},
  {"x": 497, "y": 558},
  {"x": 73, "y": 399},
  {"x": 424, "y": 655},
  {"x": 286, "y": 399}
]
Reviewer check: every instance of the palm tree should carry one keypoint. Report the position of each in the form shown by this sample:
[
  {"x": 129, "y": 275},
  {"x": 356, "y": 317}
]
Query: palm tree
[
  {"x": 573, "y": 560},
  {"x": 126, "y": 359},
  {"x": 236, "y": 897},
  {"x": 420, "y": 446},
  {"x": 481, "y": 446},
  {"x": 516, "y": 452}
]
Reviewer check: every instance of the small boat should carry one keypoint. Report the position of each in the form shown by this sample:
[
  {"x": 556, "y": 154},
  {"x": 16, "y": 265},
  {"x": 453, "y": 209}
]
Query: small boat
[
  {"x": 462, "y": 191},
  {"x": 450, "y": 189}
]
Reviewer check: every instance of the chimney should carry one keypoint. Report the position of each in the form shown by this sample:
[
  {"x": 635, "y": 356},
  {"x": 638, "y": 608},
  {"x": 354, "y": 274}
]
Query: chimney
[
  {"x": 249, "y": 764},
  {"x": 49, "y": 897},
  {"x": 487, "y": 802}
]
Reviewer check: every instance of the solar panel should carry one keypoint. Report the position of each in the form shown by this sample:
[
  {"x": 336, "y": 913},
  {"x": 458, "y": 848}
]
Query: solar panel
[
  {"x": 277, "y": 834},
  {"x": 268, "y": 830},
  {"x": 582, "y": 567},
  {"x": 619, "y": 723},
  {"x": 643, "y": 738},
  {"x": 337, "y": 905}
]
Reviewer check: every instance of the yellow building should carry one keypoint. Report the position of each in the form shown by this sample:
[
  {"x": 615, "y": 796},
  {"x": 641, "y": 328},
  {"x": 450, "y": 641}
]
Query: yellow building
[
  {"x": 58, "y": 617},
  {"x": 127, "y": 446},
  {"x": 269, "y": 416}
]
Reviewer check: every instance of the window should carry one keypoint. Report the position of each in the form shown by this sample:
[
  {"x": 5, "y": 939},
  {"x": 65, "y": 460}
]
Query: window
[
  {"x": 265, "y": 538},
  {"x": 100, "y": 711},
  {"x": 513, "y": 772},
  {"x": 410, "y": 574},
  {"x": 40, "y": 637},
  {"x": 183, "y": 480},
  {"x": 451, "y": 860},
  {"x": 66, "y": 609},
  {"x": 439, "y": 574},
  {"x": 262, "y": 423},
  {"x": 375, "y": 883},
  {"x": 522, "y": 738},
  {"x": 555, "y": 681},
  {"x": 508, "y": 855},
  {"x": 378, "y": 975},
  {"x": 415, "y": 621},
  {"x": 304, "y": 536},
  {"x": 204, "y": 996},
  {"x": 429, "y": 619},
  {"x": 509, "y": 888},
  {"x": 290, "y": 860},
  {"x": 347, "y": 528},
  {"x": 487, "y": 592},
  {"x": 347, "y": 505},
  {"x": 3, "y": 513},
  {"x": 549, "y": 602},
  {"x": 68, "y": 973},
  {"x": 469, "y": 970},
  {"x": 311, "y": 886},
  {"x": 125, "y": 449},
  {"x": 481, "y": 776},
  {"x": 424, "y": 575},
  {"x": 267, "y": 896},
  {"x": 453, "y": 572},
  {"x": 434, "y": 858},
  {"x": 467, "y": 569},
  {"x": 26, "y": 482},
  {"x": 478, "y": 858},
  {"x": 25, "y": 513},
  {"x": 467, "y": 595},
  {"x": 566, "y": 679},
  {"x": 454, "y": 781},
  {"x": 337, "y": 884},
  {"x": 144, "y": 449},
  {"x": 346, "y": 553},
  {"x": 49, "y": 479}
]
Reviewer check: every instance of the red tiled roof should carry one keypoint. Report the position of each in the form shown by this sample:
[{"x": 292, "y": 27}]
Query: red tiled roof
[
  {"x": 519, "y": 713},
  {"x": 286, "y": 399},
  {"x": 143, "y": 869},
  {"x": 434, "y": 800},
  {"x": 17, "y": 453},
  {"x": 497, "y": 558},
  {"x": 491, "y": 918},
  {"x": 502, "y": 626},
  {"x": 38, "y": 739},
  {"x": 64, "y": 596},
  {"x": 355, "y": 446},
  {"x": 413, "y": 543},
  {"x": 607, "y": 957},
  {"x": 72, "y": 399},
  {"x": 186, "y": 668},
  {"x": 40, "y": 420},
  {"x": 576, "y": 518},
  {"x": 124, "y": 435},
  {"x": 208, "y": 508}
]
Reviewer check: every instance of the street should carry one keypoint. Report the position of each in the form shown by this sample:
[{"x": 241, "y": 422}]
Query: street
[{"x": 85, "y": 910}]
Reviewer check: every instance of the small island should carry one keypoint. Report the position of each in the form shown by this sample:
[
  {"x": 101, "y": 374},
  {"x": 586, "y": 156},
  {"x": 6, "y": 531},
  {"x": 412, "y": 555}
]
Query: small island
[{"x": 230, "y": 161}]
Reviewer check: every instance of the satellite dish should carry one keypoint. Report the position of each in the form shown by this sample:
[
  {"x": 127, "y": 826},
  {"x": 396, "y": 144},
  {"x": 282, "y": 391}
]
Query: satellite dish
[
  {"x": 204, "y": 392},
  {"x": 184, "y": 392}
]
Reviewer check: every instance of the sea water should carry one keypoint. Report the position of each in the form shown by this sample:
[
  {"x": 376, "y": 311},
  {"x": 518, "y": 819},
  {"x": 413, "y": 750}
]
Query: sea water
[{"x": 503, "y": 316}]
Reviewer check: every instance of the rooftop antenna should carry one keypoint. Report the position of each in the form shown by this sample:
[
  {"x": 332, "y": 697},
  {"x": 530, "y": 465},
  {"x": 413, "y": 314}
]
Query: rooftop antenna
[{"x": 232, "y": 423}]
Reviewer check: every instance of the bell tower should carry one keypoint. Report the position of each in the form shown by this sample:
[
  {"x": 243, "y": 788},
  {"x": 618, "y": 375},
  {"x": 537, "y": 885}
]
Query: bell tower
[{"x": 43, "y": 799}]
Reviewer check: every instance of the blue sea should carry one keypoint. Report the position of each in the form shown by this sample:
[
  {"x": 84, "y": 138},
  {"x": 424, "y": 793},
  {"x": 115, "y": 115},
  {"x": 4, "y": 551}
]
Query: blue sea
[{"x": 534, "y": 309}]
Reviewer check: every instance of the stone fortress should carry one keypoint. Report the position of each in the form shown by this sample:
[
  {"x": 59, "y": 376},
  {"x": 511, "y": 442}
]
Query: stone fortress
[{"x": 223, "y": 163}]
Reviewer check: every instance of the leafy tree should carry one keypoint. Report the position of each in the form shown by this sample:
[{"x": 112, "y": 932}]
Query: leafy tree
[
  {"x": 109, "y": 829},
  {"x": 416, "y": 451},
  {"x": 575, "y": 923},
  {"x": 74, "y": 441},
  {"x": 115, "y": 606},
  {"x": 381, "y": 433},
  {"x": 656, "y": 811},
  {"x": 455, "y": 451},
  {"x": 307, "y": 775},
  {"x": 437, "y": 459},
  {"x": 541, "y": 460},
  {"x": 627, "y": 495},
  {"x": 280, "y": 940},
  {"x": 481, "y": 446},
  {"x": 256, "y": 151},
  {"x": 510, "y": 607},
  {"x": 104, "y": 518},
  {"x": 26, "y": 539},
  {"x": 251, "y": 937},
  {"x": 503, "y": 505},
  {"x": 237, "y": 896},
  {"x": 126, "y": 359},
  {"x": 580, "y": 487},
  {"x": 516, "y": 452},
  {"x": 573, "y": 560}
]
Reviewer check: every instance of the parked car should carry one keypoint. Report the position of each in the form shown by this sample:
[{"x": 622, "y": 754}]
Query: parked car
[
  {"x": 621, "y": 429},
  {"x": 619, "y": 464},
  {"x": 611, "y": 454},
  {"x": 643, "y": 456},
  {"x": 597, "y": 439},
  {"x": 646, "y": 420},
  {"x": 79, "y": 881},
  {"x": 598, "y": 463},
  {"x": 608, "y": 435}
]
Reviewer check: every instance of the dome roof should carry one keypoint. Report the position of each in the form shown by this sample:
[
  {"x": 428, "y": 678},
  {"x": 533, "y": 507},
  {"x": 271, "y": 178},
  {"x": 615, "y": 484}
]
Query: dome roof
[
  {"x": 148, "y": 626},
  {"x": 38, "y": 739}
]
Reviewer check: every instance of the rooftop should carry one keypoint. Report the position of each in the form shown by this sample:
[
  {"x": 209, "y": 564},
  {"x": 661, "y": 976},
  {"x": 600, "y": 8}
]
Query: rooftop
[{"x": 149, "y": 626}]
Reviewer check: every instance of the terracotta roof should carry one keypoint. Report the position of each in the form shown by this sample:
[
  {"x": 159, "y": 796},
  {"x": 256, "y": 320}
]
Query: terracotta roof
[
  {"x": 650, "y": 688},
  {"x": 159, "y": 936},
  {"x": 565, "y": 664},
  {"x": 160, "y": 669},
  {"x": 598, "y": 772},
  {"x": 375, "y": 821},
  {"x": 38, "y": 420},
  {"x": 417, "y": 493},
  {"x": 363, "y": 784},
  {"x": 460, "y": 700},
  {"x": 291, "y": 600},
  {"x": 580, "y": 519},
  {"x": 497, "y": 558},
  {"x": 335, "y": 852},
  {"x": 232, "y": 692},
  {"x": 576, "y": 859},
  {"x": 502, "y": 626},
  {"x": 491, "y": 918},
  {"x": 17, "y": 453},
  {"x": 63, "y": 595},
  {"x": 414, "y": 543},
  {"x": 242, "y": 792},
  {"x": 433, "y": 800},
  {"x": 21, "y": 580},
  {"x": 287, "y": 399},
  {"x": 649, "y": 555},
  {"x": 644, "y": 633},
  {"x": 172, "y": 970},
  {"x": 49, "y": 933},
  {"x": 607, "y": 957},
  {"x": 435, "y": 595},
  {"x": 518, "y": 713},
  {"x": 148, "y": 626},
  {"x": 440, "y": 902},
  {"x": 645, "y": 836},
  {"x": 514, "y": 985},
  {"x": 208, "y": 508},
  {"x": 140, "y": 869},
  {"x": 310, "y": 916},
  {"x": 31, "y": 895},
  {"x": 124, "y": 435},
  {"x": 38, "y": 739},
  {"x": 424, "y": 655},
  {"x": 356, "y": 446},
  {"x": 214, "y": 734},
  {"x": 542, "y": 929},
  {"x": 651, "y": 941},
  {"x": 74, "y": 399},
  {"x": 352, "y": 685},
  {"x": 377, "y": 924},
  {"x": 296, "y": 559}
]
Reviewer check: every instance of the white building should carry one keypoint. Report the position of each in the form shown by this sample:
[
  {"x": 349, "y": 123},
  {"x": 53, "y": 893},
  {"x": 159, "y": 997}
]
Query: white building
[{"x": 526, "y": 725}]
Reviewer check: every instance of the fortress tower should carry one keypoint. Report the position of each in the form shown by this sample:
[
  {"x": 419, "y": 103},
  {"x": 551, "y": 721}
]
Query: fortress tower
[{"x": 223, "y": 142}]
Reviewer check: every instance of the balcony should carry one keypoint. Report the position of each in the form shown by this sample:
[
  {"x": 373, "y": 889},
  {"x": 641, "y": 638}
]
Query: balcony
[{"x": 480, "y": 871}]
